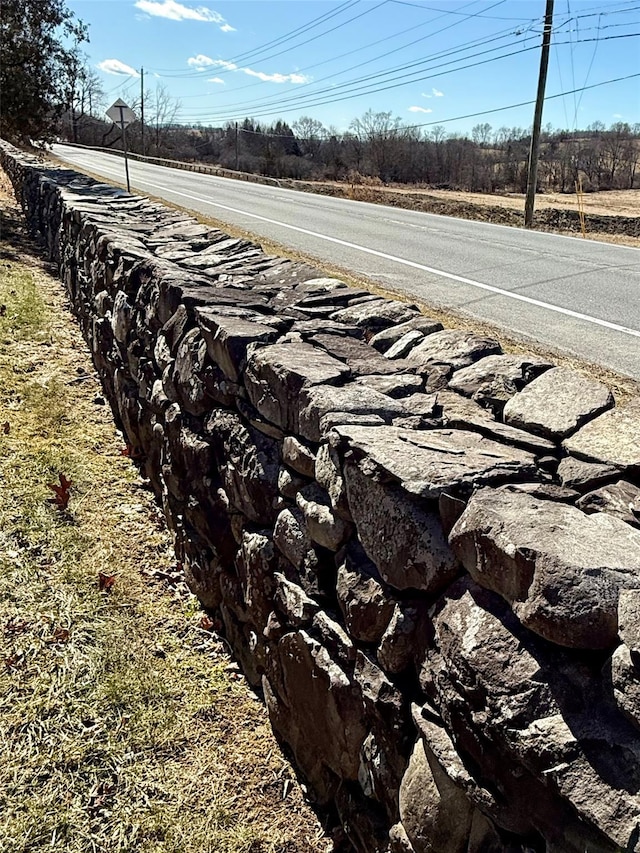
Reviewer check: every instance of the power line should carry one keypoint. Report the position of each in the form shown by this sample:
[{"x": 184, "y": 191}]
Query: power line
[
  {"x": 456, "y": 12},
  {"x": 593, "y": 56},
  {"x": 307, "y": 98},
  {"x": 327, "y": 32},
  {"x": 491, "y": 111},
  {"x": 315, "y": 22},
  {"x": 363, "y": 90},
  {"x": 403, "y": 46},
  {"x": 242, "y": 57},
  {"x": 300, "y": 44},
  {"x": 334, "y": 88},
  {"x": 193, "y": 75},
  {"x": 391, "y": 71},
  {"x": 524, "y": 103}
]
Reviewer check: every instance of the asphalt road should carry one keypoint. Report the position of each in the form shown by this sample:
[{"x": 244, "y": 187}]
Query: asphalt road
[{"x": 575, "y": 295}]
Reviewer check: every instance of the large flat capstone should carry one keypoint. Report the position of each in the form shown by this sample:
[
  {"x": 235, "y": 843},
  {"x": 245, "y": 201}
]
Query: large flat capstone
[
  {"x": 276, "y": 374},
  {"x": 561, "y": 570},
  {"x": 430, "y": 462},
  {"x": 613, "y": 438},
  {"x": 557, "y": 403}
]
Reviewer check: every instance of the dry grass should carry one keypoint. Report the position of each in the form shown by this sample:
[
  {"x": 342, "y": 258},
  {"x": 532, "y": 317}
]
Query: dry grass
[
  {"x": 605, "y": 203},
  {"x": 124, "y": 725}
]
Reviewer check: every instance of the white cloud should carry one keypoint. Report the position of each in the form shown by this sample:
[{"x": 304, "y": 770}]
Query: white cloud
[
  {"x": 276, "y": 78},
  {"x": 214, "y": 80},
  {"x": 223, "y": 63},
  {"x": 616, "y": 115},
  {"x": 174, "y": 11},
  {"x": 114, "y": 66},
  {"x": 419, "y": 110},
  {"x": 437, "y": 93},
  {"x": 202, "y": 62}
]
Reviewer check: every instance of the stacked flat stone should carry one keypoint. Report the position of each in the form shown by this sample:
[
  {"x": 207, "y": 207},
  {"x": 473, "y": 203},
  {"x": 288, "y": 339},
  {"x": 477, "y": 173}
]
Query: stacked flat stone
[{"x": 424, "y": 551}]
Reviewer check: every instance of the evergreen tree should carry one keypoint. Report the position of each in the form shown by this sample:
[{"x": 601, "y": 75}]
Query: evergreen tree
[{"x": 34, "y": 67}]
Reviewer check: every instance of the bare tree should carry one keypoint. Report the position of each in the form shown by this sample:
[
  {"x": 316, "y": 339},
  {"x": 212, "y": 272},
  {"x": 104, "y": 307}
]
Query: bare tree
[
  {"x": 481, "y": 134},
  {"x": 160, "y": 114},
  {"x": 379, "y": 134},
  {"x": 310, "y": 132},
  {"x": 84, "y": 94}
]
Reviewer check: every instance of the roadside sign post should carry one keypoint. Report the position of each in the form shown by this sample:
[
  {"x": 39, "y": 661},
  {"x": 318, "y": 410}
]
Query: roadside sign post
[{"x": 122, "y": 115}]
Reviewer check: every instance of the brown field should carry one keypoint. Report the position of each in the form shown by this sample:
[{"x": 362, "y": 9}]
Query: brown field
[
  {"x": 610, "y": 203},
  {"x": 600, "y": 208}
]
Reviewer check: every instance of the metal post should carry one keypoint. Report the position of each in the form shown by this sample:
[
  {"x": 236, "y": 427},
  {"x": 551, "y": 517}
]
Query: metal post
[
  {"x": 237, "y": 162},
  {"x": 537, "y": 118},
  {"x": 123, "y": 128},
  {"x": 142, "y": 106}
]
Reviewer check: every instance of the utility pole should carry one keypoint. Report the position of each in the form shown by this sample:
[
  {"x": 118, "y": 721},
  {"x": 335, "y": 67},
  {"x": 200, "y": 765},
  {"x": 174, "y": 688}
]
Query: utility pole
[
  {"x": 236, "y": 146},
  {"x": 537, "y": 118},
  {"x": 142, "y": 107}
]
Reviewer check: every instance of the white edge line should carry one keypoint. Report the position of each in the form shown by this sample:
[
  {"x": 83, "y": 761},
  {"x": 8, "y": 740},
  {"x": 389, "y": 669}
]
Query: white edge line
[{"x": 576, "y": 315}]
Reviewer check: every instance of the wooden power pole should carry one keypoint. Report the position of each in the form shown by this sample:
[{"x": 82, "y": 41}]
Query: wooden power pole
[{"x": 537, "y": 118}]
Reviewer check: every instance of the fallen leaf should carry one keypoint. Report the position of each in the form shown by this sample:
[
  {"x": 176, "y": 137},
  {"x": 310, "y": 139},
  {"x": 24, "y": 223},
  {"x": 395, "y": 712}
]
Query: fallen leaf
[
  {"x": 105, "y": 581},
  {"x": 6, "y": 427},
  {"x": 132, "y": 452},
  {"x": 16, "y": 626},
  {"x": 206, "y": 623},
  {"x": 60, "y": 635},
  {"x": 13, "y": 661},
  {"x": 61, "y": 500}
]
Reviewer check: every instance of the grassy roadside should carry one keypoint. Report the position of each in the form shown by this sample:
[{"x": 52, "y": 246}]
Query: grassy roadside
[{"x": 124, "y": 726}]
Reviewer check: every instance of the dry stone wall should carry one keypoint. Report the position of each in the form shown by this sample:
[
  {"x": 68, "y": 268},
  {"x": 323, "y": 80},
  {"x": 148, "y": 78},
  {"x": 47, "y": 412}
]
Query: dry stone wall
[{"x": 424, "y": 551}]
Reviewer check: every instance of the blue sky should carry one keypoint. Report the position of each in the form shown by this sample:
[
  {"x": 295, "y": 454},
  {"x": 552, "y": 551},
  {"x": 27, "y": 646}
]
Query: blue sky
[{"x": 333, "y": 61}]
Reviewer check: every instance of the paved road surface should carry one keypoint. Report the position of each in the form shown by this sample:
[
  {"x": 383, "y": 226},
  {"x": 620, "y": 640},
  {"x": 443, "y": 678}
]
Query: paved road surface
[{"x": 565, "y": 292}]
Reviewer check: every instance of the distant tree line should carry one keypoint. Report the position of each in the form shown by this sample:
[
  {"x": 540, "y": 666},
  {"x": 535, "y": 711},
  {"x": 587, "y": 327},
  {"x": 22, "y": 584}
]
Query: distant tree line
[{"x": 378, "y": 148}]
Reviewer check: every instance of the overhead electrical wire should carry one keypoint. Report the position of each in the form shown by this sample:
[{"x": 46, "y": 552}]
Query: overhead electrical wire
[
  {"x": 436, "y": 122},
  {"x": 195, "y": 74},
  {"x": 524, "y": 103},
  {"x": 276, "y": 99},
  {"x": 185, "y": 73},
  {"x": 416, "y": 71},
  {"x": 263, "y": 103},
  {"x": 234, "y": 61},
  {"x": 593, "y": 56},
  {"x": 243, "y": 57},
  {"x": 301, "y": 103},
  {"x": 403, "y": 46},
  {"x": 366, "y": 89},
  {"x": 333, "y": 88},
  {"x": 455, "y": 12},
  {"x": 252, "y": 54}
]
